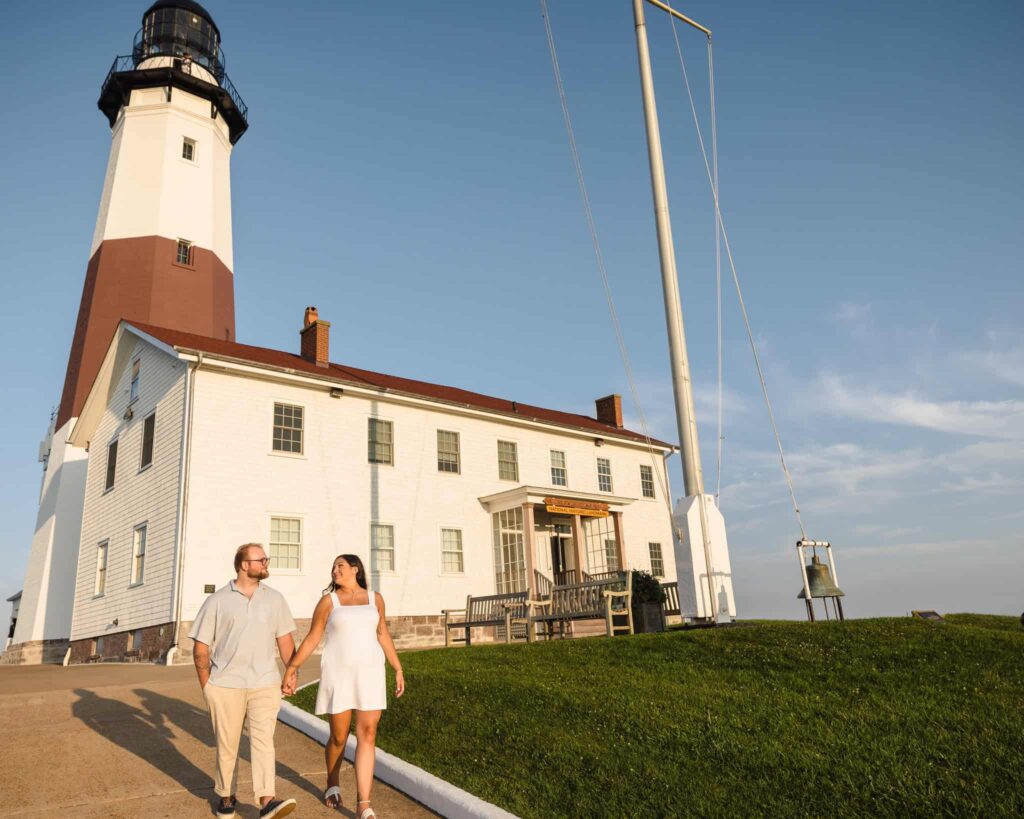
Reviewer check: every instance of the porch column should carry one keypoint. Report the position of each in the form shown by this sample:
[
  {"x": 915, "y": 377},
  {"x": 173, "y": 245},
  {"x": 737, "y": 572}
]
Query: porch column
[
  {"x": 620, "y": 545},
  {"x": 577, "y": 545},
  {"x": 531, "y": 580}
]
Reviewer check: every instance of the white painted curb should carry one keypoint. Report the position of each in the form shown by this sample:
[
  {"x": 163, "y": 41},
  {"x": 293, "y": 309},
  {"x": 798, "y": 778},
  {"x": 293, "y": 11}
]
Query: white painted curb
[{"x": 424, "y": 787}]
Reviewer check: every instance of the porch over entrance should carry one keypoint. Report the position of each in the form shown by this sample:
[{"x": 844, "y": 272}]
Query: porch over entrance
[{"x": 543, "y": 537}]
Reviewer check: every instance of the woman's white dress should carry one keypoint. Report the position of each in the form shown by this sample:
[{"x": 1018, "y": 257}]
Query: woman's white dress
[{"x": 352, "y": 663}]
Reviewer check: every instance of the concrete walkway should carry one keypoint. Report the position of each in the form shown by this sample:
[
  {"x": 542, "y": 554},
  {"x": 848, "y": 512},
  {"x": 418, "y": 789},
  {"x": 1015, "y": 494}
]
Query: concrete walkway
[{"x": 129, "y": 741}]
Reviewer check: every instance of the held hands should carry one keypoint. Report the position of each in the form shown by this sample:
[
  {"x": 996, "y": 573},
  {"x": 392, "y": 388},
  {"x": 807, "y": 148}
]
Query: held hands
[
  {"x": 399, "y": 683},
  {"x": 290, "y": 681}
]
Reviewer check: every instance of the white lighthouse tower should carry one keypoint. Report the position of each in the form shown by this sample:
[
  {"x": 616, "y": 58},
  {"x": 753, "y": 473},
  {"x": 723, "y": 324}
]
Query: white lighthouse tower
[{"x": 161, "y": 255}]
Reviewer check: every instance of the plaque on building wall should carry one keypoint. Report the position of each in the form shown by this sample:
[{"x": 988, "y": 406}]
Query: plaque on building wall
[
  {"x": 209, "y": 588},
  {"x": 565, "y": 506}
]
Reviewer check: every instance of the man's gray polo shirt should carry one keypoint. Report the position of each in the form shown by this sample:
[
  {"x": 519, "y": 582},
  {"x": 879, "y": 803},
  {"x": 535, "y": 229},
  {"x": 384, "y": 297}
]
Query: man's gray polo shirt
[{"x": 242, "y": 634}]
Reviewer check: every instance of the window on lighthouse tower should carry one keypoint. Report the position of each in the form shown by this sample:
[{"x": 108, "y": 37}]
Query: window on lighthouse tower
[
  {"x": 188, "y": 149},
  {"x": 184, "y": 251}
]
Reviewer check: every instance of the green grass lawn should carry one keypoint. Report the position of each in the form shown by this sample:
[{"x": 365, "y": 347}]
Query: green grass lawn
[{"x": 868, "y": 718}]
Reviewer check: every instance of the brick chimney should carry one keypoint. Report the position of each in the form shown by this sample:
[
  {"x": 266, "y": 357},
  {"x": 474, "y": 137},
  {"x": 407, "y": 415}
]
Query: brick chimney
[
  {"x": 315, "y": 336},
  {"x": 609, "y": 410}
]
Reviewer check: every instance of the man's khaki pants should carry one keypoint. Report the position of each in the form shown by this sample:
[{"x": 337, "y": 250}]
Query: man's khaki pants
[{"x": 229, "y": 708}]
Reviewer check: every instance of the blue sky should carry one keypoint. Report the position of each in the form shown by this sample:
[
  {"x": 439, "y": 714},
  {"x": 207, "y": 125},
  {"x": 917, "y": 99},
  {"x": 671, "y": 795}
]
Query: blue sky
[{"x": 407, "y": 171}]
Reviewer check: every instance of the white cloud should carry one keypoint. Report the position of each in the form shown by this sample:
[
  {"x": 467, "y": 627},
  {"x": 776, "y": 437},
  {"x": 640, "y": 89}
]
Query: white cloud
[
  {"x": 856, "y": 315},
  {"x": 995, "y": 419},
  {"x": 1003, "y": 360}
]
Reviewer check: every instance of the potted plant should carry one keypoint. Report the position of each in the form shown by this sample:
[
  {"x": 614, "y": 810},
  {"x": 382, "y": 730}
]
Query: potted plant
[{"x": 648, "y": 596}]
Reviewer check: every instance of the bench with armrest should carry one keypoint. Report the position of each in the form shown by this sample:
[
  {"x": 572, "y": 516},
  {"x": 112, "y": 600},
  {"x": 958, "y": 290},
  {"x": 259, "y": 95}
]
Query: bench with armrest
[
  {"x": 590, "y": 600},
  {"x": 490, "y": 610}
]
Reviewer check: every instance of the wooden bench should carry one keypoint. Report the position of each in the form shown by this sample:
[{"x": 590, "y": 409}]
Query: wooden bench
[
  {"x": 490, "y": 610},
  {"x": 589, "y": 600},
  {"x": 671, "y": 604}
]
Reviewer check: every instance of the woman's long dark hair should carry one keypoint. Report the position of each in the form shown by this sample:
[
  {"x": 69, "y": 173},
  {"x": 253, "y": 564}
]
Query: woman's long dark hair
[{"x": 352, "y": 560}]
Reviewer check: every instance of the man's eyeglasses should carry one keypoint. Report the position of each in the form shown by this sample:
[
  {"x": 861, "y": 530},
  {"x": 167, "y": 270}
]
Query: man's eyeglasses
[{"x": 263, "y": 560}]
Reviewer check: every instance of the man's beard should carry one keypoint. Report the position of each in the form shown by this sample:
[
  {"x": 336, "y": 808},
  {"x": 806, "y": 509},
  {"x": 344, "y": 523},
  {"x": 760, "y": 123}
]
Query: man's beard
[{"x": 261, "y": 574}]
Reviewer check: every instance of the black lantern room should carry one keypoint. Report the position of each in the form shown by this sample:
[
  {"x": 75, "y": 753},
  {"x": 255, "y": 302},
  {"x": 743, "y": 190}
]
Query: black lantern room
[{"x": 180, "y": 28}]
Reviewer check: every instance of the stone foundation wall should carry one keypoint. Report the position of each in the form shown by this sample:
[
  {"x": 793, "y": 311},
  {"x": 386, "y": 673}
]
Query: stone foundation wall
[
  {"x": 35, "y": 652},
  {"x": 116, "y": 646}
]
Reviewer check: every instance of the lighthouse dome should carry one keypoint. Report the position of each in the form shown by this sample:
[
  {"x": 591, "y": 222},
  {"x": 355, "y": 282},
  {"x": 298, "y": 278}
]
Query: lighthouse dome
[
  {"x": 183, "y": 5},
  {"x": 180, "y": 29}
]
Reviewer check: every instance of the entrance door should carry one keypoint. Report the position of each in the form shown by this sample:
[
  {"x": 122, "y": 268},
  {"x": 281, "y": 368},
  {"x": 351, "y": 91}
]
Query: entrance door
[{"x": 561, "y": 549}]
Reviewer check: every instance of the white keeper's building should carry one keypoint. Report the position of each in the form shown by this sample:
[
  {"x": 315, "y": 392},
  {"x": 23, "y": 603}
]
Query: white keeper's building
[{"x": 197, "y": 445}]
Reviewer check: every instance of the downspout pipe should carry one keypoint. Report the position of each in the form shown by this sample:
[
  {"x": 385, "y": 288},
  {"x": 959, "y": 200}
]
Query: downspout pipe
[{"x": 183, "y": 481}]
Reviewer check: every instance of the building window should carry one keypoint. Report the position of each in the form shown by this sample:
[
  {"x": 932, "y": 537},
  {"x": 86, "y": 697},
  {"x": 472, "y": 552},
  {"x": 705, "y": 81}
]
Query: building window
[
  {"x": 509, "y": 555},
  {"x": 133, "y": 393},
  {"x": 647, "y": 481},
  {"x": 601, "y": 545},
  {"x": 148, "y": 432},
  {"x": 138, "y": 554},
  {"x": 184, "y": 252},
  {"x": 188, "y": 149},
  {"x": 508, "y": 461},
  {"x": 111, "y": 465},
  {"x": 101, "y": 568},
  {"x": 287, "y": 428},
  {"x": 136, "y": 640},
  {"x": 559, "y": 474},
  {"x": 380, "y": 442},
  {"x": 604, "y": 475},
  {"x": 657, "y": 561},
  {"x": 451, "y": 551},
  {"x": 447, "y": 451},
  {"x": 285, "y": 543},
  {"x": 382, "y": 547},
  {"x": 611, "y": 554}
]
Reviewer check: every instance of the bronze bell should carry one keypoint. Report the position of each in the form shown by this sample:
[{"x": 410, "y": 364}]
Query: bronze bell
[{"x": 819, "y": 579}]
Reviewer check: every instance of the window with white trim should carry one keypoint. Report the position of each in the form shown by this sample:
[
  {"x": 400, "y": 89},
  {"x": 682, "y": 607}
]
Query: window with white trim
[
  {"x": 382, "y": 547},
  {"x": 509, "y": 554},
  {"x": 133, "y": 392},
  {"x": 188, "y": 149},
  {"x": 148, "y": 433},
  {"x": 559, "y": 474},
  {"x": 604, "y": 475},
  {"x": 602, "y": 552},
  {"x": 135, "y": 644},
  {"x": 101, "y": 569},
  {"x": 285, "y": 543},
  {"x": 139, "y": 554},
  {"x": 647, "y": 480},
  {"x": 451, "y": 551},
  {"x": 657, "y": 561},
  {"x": 184, "y": 254},
  {"x": 111, "y": 465},
  {"x": 448, "y": 451},
  {"x": 380, "y": 442},
  {"x": 288, "y": 428},
  {"x": 508, "y": 461}
]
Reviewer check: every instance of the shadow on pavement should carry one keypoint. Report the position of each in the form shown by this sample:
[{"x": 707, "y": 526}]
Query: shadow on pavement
[{"x": 147, "y": 733}]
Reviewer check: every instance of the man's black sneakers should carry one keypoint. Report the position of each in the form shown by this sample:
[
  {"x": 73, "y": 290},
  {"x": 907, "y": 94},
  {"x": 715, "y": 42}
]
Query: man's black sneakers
[
  {"x": 226, "y": 811},
  {"x": 276, "y": 808}
]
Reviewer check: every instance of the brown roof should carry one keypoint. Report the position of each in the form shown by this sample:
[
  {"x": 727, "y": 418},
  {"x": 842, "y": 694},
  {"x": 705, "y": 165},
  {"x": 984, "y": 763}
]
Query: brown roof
[{"x": 366, "y": 378}]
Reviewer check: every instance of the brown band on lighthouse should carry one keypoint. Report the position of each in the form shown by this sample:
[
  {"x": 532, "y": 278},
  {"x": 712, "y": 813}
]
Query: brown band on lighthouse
[{"x": 139, "y": 279}]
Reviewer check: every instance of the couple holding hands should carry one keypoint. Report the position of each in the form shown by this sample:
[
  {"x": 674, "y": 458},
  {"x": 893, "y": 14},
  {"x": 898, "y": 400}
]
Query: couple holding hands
[{"x": 234, "y": 637}]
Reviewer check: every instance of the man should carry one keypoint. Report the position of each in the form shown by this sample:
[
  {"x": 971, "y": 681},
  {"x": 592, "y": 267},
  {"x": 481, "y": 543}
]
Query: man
[{"x": 240, "y": 678}]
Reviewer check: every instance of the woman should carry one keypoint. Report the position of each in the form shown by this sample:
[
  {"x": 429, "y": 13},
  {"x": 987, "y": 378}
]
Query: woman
[{"x": 351, "y": 672}]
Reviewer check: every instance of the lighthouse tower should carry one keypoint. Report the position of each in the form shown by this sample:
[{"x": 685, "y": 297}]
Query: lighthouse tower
[{"x": 161, "y": 254}]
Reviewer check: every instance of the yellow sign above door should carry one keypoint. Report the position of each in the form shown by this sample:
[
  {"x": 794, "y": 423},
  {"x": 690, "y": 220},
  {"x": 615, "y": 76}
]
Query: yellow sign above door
[{"x": 564, "y": 506}]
